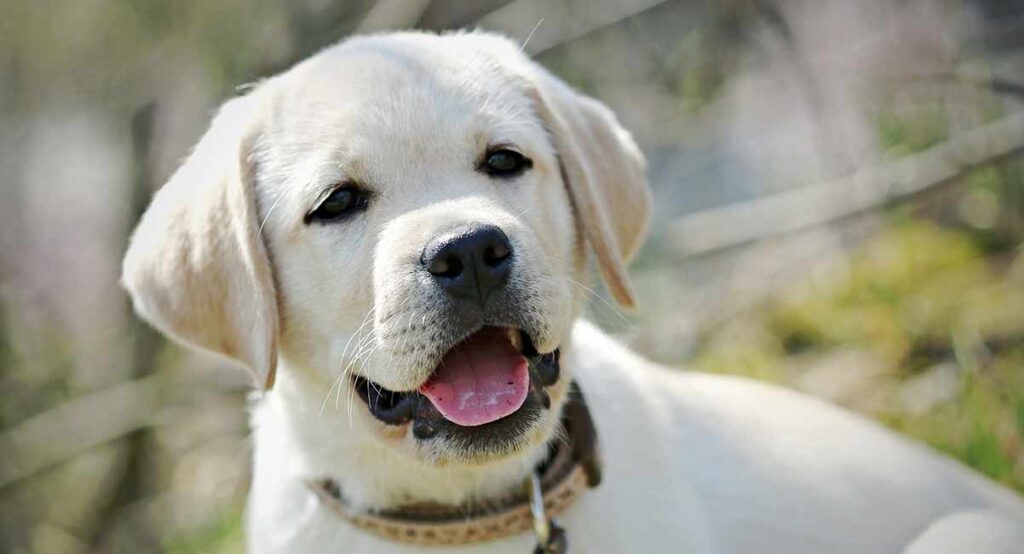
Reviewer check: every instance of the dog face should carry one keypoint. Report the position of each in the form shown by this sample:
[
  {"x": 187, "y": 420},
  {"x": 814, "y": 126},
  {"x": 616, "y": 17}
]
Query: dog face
[{"x": 406, "y": 217}]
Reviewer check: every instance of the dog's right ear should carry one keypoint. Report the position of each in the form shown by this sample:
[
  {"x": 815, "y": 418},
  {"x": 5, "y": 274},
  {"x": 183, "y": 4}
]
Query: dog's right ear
[{"x": 196, "y": 267}]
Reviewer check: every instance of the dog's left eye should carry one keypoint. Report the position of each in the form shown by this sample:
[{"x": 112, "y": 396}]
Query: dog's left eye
[
  {"x": 505, "y": 163},
  {"x": 340, "y": 203}
]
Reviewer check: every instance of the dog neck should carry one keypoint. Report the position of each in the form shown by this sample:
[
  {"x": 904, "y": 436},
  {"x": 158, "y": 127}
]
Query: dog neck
[{"x": 318, "y": 435}]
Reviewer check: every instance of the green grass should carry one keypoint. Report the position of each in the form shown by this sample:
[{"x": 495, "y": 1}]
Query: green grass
[{"x": 222, "y": 536}]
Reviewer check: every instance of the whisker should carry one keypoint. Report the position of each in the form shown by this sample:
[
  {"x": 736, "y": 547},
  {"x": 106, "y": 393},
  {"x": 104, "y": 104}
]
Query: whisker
[
  {"x": 351, "y": 390},
  {"x": 524, "y": 212},
  {"x": 614, "y": 310},
  {"x": 266, "y": 217},
  {"x": 397, "y": 311},
  {"x": 360, "y": 347},
  {"x": 529, "y": 36},
  {"x": 338, "y": 382}
]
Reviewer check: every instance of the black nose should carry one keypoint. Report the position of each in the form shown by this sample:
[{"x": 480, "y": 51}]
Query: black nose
[{"x": 470, "y": 262}]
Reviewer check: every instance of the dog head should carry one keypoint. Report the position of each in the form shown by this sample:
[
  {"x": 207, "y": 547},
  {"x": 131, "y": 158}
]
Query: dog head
[{"x": 407, "y": 217}]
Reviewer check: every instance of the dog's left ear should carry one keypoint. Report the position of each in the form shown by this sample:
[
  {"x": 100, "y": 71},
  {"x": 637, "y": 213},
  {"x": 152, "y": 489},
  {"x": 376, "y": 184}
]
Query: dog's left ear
[
  {"x": 604, "y": 171},
  {"x": 196, "y": 267}
]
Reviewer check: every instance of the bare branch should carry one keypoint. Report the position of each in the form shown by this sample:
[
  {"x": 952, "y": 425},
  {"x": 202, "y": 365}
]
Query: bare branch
[
  {"x": 74, "y": 427},
  {"x": 742, "y": 223}
]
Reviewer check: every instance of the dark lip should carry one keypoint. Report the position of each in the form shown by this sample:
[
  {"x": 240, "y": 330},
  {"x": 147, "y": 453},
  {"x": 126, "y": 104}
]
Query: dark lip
[{"x": 400, "y": 408}]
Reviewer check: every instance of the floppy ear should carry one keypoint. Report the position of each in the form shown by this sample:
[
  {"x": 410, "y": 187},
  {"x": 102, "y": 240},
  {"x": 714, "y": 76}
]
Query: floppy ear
[
  {"x": 196, "y": 267},
  {"x": 604, "y": 172}
]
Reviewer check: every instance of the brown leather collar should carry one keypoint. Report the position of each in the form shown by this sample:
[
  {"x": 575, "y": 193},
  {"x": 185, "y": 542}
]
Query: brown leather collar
[{"x": 573, "y": 465}]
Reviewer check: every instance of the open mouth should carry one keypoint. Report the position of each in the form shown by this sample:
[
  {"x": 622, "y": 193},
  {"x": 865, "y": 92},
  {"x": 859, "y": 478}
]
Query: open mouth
[{"x": 491, "y": 375}]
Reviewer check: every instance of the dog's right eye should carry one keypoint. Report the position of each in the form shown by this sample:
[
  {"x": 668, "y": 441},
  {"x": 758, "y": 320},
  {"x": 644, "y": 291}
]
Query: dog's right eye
[{"x": 342, "y": 202}]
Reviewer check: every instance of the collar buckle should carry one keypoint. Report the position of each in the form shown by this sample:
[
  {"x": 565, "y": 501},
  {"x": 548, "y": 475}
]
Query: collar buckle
[{"x": 551, "y": 538}]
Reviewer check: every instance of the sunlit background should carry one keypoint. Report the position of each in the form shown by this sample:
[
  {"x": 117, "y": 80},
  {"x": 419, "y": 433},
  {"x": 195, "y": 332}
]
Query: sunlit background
[{"x": 839, "y": 208}]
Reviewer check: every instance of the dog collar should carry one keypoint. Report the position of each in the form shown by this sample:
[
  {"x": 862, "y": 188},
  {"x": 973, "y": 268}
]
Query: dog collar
[{"x": 573, "y": 466}]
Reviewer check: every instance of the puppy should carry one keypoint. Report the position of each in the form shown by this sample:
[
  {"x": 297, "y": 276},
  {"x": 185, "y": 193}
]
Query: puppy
[{"x": 393, "y": 236}]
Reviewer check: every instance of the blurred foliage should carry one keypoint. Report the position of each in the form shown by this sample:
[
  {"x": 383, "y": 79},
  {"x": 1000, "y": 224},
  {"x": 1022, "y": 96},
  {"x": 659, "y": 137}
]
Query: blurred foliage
[
  {"x": 909, "y": 129},
  {"x": 993, "y": 204},
  {"x": 120, "y": 52},
  {"x": 700, "y": 66},
  {"x": 912, "y": 300},
  {"x": 984, "y": 425},
  {"x": 922, "y": 326},
  {"x": 223, "y": 536}
]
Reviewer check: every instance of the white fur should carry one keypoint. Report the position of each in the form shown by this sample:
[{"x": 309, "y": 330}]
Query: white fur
[{"x": 693, "y": 463}]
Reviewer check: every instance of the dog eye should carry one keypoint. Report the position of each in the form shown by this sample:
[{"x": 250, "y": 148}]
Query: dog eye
[
  {"x": 342, "y": 202},
  {"x": 505, "y": 163}
]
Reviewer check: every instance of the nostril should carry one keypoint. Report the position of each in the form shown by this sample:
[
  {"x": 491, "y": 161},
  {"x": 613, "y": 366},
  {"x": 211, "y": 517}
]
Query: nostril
[
  {"x": 449, "y": 266},
  {"x": 496, "y": 254}
]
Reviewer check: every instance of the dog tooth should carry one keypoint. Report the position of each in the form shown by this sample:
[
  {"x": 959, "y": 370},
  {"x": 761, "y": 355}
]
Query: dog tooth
[{"x": 516, "y": 338}]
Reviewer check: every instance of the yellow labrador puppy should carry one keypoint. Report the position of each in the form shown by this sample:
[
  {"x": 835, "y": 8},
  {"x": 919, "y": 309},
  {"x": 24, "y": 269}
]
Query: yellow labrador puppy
[{"x": 392, "y": 237}]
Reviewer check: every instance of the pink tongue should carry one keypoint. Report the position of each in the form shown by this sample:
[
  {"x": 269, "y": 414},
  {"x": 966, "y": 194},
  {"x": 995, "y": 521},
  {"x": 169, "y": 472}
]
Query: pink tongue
[{"x": 481, "y": 380}]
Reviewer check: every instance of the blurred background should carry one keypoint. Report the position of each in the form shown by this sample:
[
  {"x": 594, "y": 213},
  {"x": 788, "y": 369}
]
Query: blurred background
[{"x": 840, "y": 209}]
